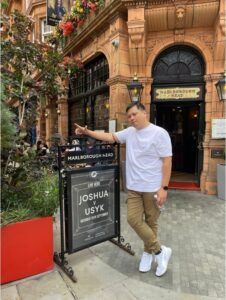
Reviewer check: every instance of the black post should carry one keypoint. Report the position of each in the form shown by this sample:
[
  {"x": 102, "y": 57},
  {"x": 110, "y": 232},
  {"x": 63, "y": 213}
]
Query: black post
[{"x": 59, "y": 257}]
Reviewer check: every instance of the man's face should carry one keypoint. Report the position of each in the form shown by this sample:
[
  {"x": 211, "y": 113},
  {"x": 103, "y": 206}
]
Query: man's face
[{"x": 136, "y": 117}]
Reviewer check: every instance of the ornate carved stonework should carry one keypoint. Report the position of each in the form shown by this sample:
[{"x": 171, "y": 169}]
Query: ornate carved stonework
[
  {"x": 179, "y": 35},
  {"x": 180, "y": 16},
  {"x": 147, "y": 2},
  {"x": 151, "y": 45},
  {"x": 136, "y": 35},
  {"x": 222, "y": 24},
  {"x": 118, "y": 80}
]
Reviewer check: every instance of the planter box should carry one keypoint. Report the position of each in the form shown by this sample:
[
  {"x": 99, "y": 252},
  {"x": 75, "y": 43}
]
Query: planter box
[{"x": 26, "y": 248}]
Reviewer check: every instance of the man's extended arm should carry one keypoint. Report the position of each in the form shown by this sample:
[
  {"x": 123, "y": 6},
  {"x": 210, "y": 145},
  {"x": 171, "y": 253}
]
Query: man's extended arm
[{"x": 98, "y": 135}]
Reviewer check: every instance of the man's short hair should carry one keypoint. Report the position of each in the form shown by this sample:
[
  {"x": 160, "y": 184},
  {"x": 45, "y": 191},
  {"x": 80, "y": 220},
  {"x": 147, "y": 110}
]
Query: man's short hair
[{"x": 139, "y": 106}]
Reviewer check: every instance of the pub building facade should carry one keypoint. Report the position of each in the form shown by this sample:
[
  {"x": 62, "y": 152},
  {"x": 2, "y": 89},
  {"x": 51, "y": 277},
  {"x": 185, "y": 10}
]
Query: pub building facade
[{"x": 177, "y": 50}]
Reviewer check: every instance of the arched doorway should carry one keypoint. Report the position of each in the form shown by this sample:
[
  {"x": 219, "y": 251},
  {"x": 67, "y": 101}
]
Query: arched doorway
[
  {"x": 88, "y": 102},
  {"x": 177, "y": 105}
]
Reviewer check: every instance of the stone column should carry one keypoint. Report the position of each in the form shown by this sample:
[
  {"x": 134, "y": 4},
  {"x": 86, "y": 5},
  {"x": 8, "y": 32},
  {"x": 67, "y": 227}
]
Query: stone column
[
  {"x": 118, "y": 101},
  {"x": 213, "y": 109},
  {"x": 137, "y": 38}
]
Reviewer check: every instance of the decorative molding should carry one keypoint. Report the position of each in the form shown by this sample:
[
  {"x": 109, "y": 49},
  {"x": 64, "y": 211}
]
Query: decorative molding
[
  {"x": 216, "y": 76},
  {"x": 33, "y": 4},
  {"x": 136, "y": 35},
  {"x": 118, "y": 80},
  {"x": 179, "y": 35},
  {"x": 140, "y": 3},
  {"x": 180, "y": 12},
  {"x": 136, "y": 30},
  {"x": 207, "y": 78},
  {"x": 222, "y": 24},
  {"x": 137, "y": 3}
]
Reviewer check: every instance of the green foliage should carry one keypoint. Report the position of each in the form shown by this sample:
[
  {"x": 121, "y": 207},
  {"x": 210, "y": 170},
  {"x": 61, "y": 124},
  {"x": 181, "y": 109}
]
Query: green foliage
[
  {"x": 8, "y": 128},
  {"x": 44, "y": 200},
  {"x": 30, "y": 71},
  {"x": 29, "y": 188},
  {"x": 33, "y": 199}
]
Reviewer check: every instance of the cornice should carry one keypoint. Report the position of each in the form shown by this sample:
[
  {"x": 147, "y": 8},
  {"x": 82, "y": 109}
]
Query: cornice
[
  {"x": 144, "y": 3},
  {"x": 128, "y": 3},
  {"x": 119, "y": 79}
]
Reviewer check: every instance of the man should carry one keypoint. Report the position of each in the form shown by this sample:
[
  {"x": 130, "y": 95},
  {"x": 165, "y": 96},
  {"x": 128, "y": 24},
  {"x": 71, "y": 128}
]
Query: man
[{"x": 148, "y": 170}]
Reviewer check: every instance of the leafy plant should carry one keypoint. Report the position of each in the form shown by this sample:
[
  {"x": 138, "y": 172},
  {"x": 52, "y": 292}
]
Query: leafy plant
[
  {"x": 31, "y": 74},
  {"x": 31, "y": 71},
  {"x": 8, "y": 129},
  {"x": 35, "y": 199}
]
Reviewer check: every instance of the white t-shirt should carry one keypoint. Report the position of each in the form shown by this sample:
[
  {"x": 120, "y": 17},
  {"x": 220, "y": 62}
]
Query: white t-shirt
[{"x": 144, "y": 149}]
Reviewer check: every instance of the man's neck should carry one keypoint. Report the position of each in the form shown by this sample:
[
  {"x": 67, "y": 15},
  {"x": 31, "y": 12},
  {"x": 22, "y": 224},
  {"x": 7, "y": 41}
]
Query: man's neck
[{"x": 146, "y": 124}]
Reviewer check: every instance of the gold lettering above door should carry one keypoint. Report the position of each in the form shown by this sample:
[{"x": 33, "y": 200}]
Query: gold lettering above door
[{"x": 177, "y": 93}]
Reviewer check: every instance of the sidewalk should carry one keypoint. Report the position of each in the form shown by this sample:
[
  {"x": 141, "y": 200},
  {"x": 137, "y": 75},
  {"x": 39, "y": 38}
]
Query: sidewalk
[{"x": 192, "y": 224}]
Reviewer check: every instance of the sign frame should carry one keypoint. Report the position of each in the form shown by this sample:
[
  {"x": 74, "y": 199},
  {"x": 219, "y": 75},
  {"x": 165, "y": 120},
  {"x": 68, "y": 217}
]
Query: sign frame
[{"x": 66, "y": 170}]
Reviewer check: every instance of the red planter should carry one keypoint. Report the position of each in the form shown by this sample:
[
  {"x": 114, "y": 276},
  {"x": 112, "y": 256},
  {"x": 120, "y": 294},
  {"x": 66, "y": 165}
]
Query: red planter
[{"x": 26, "y": 248}]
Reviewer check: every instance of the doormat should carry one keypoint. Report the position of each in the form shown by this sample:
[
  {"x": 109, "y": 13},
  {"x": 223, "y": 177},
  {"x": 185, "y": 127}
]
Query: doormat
[{"x": 192, "y": 186}]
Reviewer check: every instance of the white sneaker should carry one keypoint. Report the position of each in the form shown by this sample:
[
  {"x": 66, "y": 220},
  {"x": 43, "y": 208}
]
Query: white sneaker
[
  {"x": 162, "y": 260},
  {"x": 145, "y": 262}
]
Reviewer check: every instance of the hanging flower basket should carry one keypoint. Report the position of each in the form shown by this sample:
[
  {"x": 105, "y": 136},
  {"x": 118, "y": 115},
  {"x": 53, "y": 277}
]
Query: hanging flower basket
[{"x": 80, "y": 11}]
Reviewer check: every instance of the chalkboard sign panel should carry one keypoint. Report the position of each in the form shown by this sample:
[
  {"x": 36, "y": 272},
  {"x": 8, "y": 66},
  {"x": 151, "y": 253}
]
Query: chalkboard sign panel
[{"x": 92, "y": 207}]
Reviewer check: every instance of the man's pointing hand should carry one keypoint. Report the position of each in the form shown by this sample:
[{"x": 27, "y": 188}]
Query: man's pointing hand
[{"x": 79, "y": 129}]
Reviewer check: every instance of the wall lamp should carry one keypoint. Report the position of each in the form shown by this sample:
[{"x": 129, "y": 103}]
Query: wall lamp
[
  {"x": 135, "y": 89},
  {"x": 58, "y": 111},
  {"x": 46, "y": 114},
  {"x": 221, "y": 88}
]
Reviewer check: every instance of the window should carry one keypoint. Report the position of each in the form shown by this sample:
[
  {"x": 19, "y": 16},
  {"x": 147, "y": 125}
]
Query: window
[
  {"x": 46, "y": 30},
  {"x": 178, "y": 64},
  {"x": 92, "y": 77}
]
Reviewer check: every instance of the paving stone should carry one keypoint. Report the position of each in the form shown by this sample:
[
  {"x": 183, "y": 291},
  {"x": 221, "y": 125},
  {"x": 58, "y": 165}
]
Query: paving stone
[
  {"x": 48, "y": 287},
  {"x": 116, "y": 292},
  {"x": 10, "y": 293},
  {"x": 92, "y": 273},
  {"x": 189, "y": 226},
  {"x": 192, "y": 225}
]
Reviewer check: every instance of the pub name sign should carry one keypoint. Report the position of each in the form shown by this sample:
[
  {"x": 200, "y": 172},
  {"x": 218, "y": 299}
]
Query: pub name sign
[{"x": 177, "y": 93}]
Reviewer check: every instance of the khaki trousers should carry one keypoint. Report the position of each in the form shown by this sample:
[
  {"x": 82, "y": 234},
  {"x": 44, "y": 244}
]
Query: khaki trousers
[{"x": 142, "y": 216}]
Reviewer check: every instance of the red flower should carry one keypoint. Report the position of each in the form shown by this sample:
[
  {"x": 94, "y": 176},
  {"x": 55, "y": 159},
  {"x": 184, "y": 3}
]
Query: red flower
[{"x": 67, "y": 27}]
